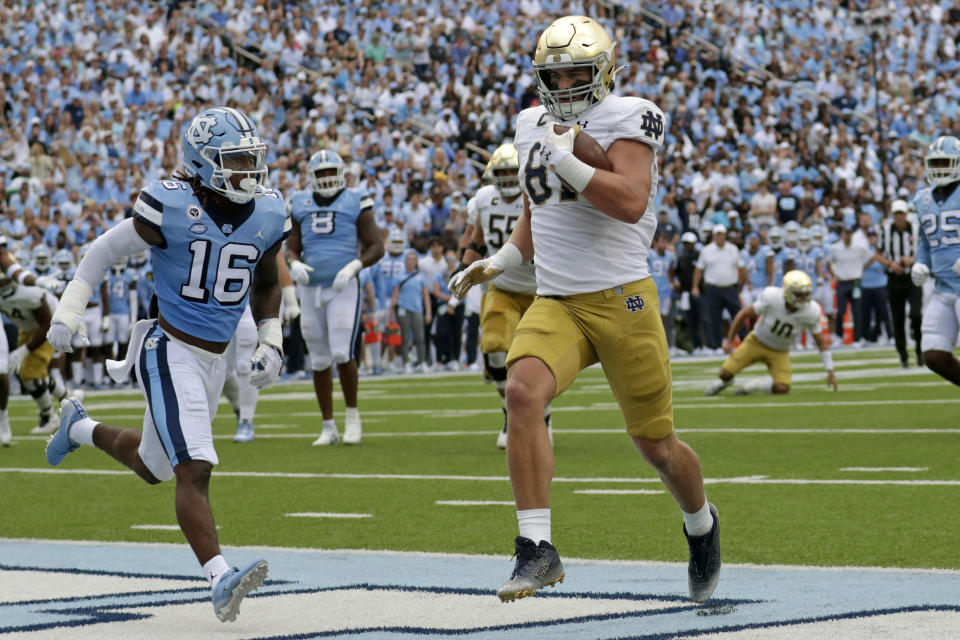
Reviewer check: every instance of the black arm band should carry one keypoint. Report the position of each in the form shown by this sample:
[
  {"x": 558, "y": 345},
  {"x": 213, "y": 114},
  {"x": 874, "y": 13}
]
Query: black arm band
[{"x": 479, "y": 248}]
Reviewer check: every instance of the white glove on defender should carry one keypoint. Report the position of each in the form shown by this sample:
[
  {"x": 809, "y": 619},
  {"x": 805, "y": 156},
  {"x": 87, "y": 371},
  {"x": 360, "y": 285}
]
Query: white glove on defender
[
  {"x": 268, "y": 358},
  {"x": 920, "y": 272},
  {"x": 16, "y": 358},
  {"x": 68, "y": 318},
  {"x": 291, "y": 308},
  {"x": 486, "y": 269},
  {"x": 345, "y": 274},
  {"x": 105, "y": 324},
  {"x": 300, "y": 272}
]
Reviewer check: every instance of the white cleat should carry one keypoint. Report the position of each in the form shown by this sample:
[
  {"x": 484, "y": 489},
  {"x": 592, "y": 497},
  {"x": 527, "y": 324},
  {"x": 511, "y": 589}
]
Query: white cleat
[
  {"x": 328, "y": 438},
  {"x": 715, "y": 388},
  {"x": 6, "y": 435},
  {"x": 50, "y": 426},
  {"x": 352, "y": 432}
]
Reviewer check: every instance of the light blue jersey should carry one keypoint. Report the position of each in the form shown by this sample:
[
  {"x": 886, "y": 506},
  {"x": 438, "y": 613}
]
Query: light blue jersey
[
  {"x": 807, "y": 260},
  {"x": 204, "y": 267},
  {"x": 374, "y": 277},
  {"x": 756, "y": 265},
  {"x": 145, "y": 287},
  {"x": 392, "y": 270},
  {"x": 939, "y": 245},
  {"x": 660, "y": 266},
  {"x": 328, "y": 234},
  {"x": 411, "y": 291},
  {"x": 780, "y": 259},
  {"x": 119, "y": 285}
]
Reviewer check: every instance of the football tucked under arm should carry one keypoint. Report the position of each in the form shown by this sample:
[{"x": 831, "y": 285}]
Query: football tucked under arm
[
  {"x": 574, "y": 156},
  {"x": 587, "y": 149}
]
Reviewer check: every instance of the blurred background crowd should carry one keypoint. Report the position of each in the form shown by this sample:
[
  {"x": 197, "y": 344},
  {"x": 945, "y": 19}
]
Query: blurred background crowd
[{"x": 816, "y": 111}]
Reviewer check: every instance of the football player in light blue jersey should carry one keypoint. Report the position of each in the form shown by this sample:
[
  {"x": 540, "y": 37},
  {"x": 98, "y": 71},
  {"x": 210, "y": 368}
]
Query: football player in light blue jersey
[
  {"x": 938, "y": 255},
  {"x": 213, "y": 234},
  {"x": 140, "y": 262},
  {"x": 663, "y": 264},
  {"x": 810, "y": 258},
  {"x": 391, "y": 270},
  {"x": 758, "y": 259},
  {"x": 374, "y": 310},
  {"x": 122, "y": 284},
  {"x": 330, "y": 229}
]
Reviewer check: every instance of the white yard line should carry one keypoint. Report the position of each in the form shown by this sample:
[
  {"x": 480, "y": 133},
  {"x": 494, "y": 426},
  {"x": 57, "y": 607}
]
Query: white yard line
[
  {"x": 885, "y": 469},
  {"x": 322, "y": 514},
  {"x": 620, "y": 492},
  {"x": 474, "y": 503},
  {"x": 752, "y": 480}
]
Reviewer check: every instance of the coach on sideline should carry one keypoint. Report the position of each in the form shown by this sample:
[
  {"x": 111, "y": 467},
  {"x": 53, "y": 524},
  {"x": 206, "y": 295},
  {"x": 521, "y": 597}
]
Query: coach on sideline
[{"x": 721, "y": 269}]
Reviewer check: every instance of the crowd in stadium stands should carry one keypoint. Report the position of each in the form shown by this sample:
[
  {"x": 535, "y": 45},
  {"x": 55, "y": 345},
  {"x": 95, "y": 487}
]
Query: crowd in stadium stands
[{"x": 771, "y": 105}]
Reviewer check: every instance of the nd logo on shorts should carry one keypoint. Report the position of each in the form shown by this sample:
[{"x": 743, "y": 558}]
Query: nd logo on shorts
[{"x": 635, "y": 303}]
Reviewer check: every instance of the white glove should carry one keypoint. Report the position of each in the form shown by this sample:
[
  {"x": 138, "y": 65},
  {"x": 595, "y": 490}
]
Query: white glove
[
  {"x": 345, "y": 274},
  {"x": 291, "y": 308},
  {"x": 486, "y": 269},
  {"x": 956, "y": 267},
  {"x": 554, "y": 147},
  {"x": 105, "y": 324},
  {"x": 16, "y": 358},
  {"x": 919, "y": 273},
  {"x": 300, "y": 272},
  {"x": 50, "y": 282},
  {"x": 266, "y": 363},
  {"x": 68, "y": 318}
]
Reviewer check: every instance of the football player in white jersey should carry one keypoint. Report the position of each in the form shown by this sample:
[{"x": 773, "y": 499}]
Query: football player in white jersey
[
  {"x": 591, "y": 232},
  {"x": 496, "y": 207},
  {"x": 784, "y": 313}
]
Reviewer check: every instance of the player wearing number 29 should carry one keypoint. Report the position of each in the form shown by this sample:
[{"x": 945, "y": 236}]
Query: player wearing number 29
[
  {"x": 596, "y": 300},
  {"x": 784, "y": 313},
  {"x": 213, "y": 236},
  {"x": 329, "y": 225},
  {"x": 938, "y": 255}
]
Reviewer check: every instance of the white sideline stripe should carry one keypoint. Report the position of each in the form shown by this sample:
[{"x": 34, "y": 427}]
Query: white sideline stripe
[
  {"x": 620, "y": 492},
  {"x": 158, "y": 527},
  {"x": 410, "y": 476},
  {"x": 442, "y": 555},
  {"x": 323, "y": 514},
  {"x": 881, "y": 469},
  {"x": 474, "y": 503}
]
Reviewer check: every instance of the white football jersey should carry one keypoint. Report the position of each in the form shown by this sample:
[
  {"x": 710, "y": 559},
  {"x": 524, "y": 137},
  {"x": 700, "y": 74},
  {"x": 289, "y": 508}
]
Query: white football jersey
[
  {"x": 777, "y": 327},
  {"x": 578, "y": 249},
  {"x": 20, "y": 305},
  {"x": 496, "y": 218}
]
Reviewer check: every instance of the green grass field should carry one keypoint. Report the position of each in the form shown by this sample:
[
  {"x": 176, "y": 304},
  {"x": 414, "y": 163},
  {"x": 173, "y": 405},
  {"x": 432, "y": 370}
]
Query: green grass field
[{"x": 862, "y": 477}]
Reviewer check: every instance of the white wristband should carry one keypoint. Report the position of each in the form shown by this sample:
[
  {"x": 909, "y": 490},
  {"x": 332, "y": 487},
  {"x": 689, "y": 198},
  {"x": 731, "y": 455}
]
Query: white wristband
[
  {"x": 23, "y": 276},
  {"x": 12, "y": 269},
  {"x": 510, "y": 253},
  {"x": 289, "y": 294},
  {"x": 574, "y": 172},
  {"x": 827, "y": 358},
  {"x": 270, "y": 332}
]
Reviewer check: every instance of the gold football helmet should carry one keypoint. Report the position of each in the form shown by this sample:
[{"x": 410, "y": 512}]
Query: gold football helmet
[
  {"x": 797, "y": 288},
  {"x": 503, "y": 170},
  {"x": 574, "y": 41}
]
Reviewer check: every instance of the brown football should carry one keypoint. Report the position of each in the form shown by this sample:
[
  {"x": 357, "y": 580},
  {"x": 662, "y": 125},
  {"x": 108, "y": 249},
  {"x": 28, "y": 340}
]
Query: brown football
[{"x": 587, "y": 149}]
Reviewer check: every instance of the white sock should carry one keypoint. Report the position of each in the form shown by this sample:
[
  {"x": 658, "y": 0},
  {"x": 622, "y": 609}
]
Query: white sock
[
  {"x": 231, "y": 391},
  {"x": 375, "y": 354},
  {"x": 215, "y": 569},
  {"x": 534, "y": 524},
  {"x": 329, "y": 425},
  {"x": 699, "y": 523},
  {"x": 352, "y": 414},
  {"x": 546, "y": 411},
  {"x": 98, "y": 373},
  {"x": 82, "y": 431},
  {"x": 76, "y": 367},
  {"x": 249, "y": 397},
  {"x": 764, "y": 384}
]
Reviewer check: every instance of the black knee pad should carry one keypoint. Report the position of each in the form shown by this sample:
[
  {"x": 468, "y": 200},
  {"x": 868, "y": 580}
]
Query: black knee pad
[{"x": 496, "y": 370}]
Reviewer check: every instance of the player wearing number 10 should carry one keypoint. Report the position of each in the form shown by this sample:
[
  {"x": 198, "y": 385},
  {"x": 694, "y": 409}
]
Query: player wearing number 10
[
  {"x": 596, "y": 301},
  {"x": 213, "y": 236},
  {"x": 784, "y": 313}
]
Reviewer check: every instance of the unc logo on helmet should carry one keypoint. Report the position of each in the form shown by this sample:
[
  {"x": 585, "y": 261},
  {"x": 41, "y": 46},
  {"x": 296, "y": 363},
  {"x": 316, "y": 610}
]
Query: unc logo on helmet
[
  {"x": 199, "y": 132},
  {"x": 222, "y": 144}
]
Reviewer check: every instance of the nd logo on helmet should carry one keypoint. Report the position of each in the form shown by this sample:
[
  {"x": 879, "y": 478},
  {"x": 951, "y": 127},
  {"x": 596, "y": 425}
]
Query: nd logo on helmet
[{"x": 200, "y": 131}]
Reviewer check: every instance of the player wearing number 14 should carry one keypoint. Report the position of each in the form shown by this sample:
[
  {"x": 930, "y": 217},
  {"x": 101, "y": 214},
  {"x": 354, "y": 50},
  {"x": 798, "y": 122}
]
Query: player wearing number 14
[
  {"x": 213, "y": 236},
  {"x": 784, "y": 313}
]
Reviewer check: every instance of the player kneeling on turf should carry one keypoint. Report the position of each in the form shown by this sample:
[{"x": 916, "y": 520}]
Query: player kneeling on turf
[{"x": 784, "y": 313}]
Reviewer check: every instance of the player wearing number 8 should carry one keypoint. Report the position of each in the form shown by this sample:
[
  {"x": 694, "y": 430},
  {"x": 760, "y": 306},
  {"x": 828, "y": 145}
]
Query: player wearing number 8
[
  {"x": 213, "y": 236},
  {"x": 784, "y": 313}
]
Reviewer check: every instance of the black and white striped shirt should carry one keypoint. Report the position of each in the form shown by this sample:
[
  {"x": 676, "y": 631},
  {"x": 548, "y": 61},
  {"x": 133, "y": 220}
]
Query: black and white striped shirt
[{"x": 898, "y": 243}]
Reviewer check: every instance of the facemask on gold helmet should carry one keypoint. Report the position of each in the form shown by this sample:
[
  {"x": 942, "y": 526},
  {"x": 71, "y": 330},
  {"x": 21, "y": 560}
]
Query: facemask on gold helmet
[
  {"x": 797, "y": 288},
  {"x": 503, "y": 170}
]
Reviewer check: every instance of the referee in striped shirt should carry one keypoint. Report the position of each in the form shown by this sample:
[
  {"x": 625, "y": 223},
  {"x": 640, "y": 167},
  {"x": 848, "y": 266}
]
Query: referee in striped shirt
[{"x": 898, "y": 245}]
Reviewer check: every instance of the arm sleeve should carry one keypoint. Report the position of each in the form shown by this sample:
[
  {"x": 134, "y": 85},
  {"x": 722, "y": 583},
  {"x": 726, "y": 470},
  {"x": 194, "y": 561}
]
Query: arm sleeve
[
  {"x": 760, "y": 306},
  {"x": 923, "y": 248},
  {"x": 122, "y": 240}
]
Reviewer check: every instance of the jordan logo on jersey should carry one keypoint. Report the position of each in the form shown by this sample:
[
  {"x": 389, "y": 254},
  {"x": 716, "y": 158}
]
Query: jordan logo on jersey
[{"x": 635, "y": 303}]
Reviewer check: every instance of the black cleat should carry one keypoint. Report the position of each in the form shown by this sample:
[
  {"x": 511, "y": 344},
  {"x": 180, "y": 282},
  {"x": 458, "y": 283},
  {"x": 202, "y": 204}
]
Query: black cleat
[
  {"x": 537, "y": 566},
  {"x": 704, "y": 569}
]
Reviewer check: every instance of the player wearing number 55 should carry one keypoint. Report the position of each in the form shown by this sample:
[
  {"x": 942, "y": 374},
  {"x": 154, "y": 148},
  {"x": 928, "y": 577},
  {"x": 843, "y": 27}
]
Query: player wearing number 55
[
  {"x": 213, "y": 234},
  {"x": 784, "y": 313},
  {"x": 589, "y": 188}
]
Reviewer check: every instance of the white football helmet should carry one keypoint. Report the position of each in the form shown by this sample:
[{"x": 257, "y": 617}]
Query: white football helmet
[
  {"x": 775, "y": 237},
  {"x": 41, "y": 258},
  {"x": 942, "y": 162},
  {"x": 326, "y": 185},
  {"x": 396, "y": 242}
]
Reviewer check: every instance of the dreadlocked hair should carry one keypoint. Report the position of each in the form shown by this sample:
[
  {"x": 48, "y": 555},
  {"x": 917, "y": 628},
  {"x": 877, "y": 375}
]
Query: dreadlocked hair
[{"x": 193, "y": 181}]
